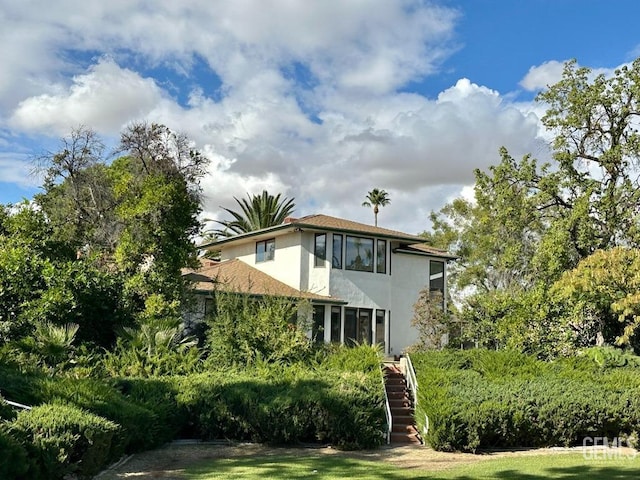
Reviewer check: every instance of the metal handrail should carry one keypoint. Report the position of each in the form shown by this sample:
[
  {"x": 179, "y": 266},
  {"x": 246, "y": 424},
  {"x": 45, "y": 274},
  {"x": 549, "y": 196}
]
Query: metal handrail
[
  {"x": 387, "y": 408},
  {"x": 16, "y": 404},
  {"x": 412, "y": 383}
]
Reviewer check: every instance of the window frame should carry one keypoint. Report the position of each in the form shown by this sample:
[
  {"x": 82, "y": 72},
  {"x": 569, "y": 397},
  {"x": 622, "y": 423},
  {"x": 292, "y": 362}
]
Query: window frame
[
  {"x": 266, "y": 255},
  {"x": 371, "y": 268},
  {"x": 338, "y": 257},
  {"x": 319, "y": 260},
  {"x": 384, "y": 249}
]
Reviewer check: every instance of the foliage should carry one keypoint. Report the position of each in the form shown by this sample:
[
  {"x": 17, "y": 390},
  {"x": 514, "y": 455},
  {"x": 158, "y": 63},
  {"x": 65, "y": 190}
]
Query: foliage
[
  {"x": 483, "y": 399},
  {"x": 530, "y": 223},
  {"x": 431, "y": 320},
  {"x": 13, "y": 461},
  {"x": 599, "y": 299},
  {"x": 376, "y": 198},
  {"x": 287, "y": 404},
  {"x": 257, "y": 212},
  {"x": 243, "y": 329},
  {"x": 62, "y": 439}
]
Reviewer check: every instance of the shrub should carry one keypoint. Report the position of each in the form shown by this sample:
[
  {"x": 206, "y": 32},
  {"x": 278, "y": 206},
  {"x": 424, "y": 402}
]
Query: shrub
[
  {"x": 13, "y": 461},
  {"x": 288, "y": 404},
  {"x": 484, "y": 399},
  {"x": 63, "y": 439}
]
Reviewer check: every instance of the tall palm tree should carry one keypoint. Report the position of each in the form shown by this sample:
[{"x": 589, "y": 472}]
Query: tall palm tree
[
  {"x": 376, "y": 198},
  {"x": 257, "y": 211}
]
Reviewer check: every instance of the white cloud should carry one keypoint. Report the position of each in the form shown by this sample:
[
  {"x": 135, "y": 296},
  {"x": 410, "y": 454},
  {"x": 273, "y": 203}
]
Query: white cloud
[
  {"x": 105, "y": 98},
  {"x": 541, "y": 76},
  {"x": 325, "y": 141}
]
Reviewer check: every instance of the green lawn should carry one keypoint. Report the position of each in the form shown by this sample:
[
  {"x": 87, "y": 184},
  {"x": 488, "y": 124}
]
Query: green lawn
[{"x": 334, "y": 467}]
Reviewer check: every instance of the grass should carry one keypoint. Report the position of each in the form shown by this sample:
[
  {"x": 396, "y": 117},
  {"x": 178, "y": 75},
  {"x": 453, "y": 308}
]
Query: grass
[{"x": 334, "y": 467}]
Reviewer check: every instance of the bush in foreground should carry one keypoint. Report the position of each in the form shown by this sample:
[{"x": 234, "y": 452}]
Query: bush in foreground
[{"x": 486, "y": 399}]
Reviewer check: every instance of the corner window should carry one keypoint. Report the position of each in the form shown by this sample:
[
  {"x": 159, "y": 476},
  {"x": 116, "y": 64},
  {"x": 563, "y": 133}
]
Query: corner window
[
  {"x": 336, "y": 260},
  {"x": 381, "y": 256},
  {"x": 265, "y": 250},
  {"x": 320, "y": 249},
  {"x": 359, "y": 254},
  {"x": 436, "y": 280}
]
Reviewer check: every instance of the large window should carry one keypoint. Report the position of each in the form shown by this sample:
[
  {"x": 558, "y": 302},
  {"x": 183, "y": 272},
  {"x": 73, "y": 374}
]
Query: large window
[
  {"x": 381, "y": 256},
  {"x": 357, "y": 325},
  {"x": 317, "y": 330},
  {"x": 337, "y": 251},
  {"x": 265, "y": 250},
  {"x": 359, "y": 254},
  {"x": 336, "y": 317},
  {"x": 350, "y": 326},
  {"x": 320, "y": 249},
  {"x": 436, "y": 280}
]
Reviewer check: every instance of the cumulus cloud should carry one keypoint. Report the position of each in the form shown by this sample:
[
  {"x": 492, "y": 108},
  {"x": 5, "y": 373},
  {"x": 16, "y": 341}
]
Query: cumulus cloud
[
  {"x": 541, "y": 76},
  {"x": 308, "y": 101},
  {"x": 106, "y": 98}
]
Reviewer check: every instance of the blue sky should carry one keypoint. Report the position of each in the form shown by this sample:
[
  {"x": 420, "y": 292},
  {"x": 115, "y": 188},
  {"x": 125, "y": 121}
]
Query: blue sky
[{"x": 319, "y": 100}]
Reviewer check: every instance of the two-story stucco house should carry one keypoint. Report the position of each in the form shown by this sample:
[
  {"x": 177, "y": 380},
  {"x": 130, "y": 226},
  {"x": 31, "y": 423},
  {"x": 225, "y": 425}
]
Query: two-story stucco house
[{"x": 361, "y": 280}]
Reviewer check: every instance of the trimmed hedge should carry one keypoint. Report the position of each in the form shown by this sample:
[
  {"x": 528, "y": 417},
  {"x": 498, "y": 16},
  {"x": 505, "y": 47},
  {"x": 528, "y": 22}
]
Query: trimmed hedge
[
  {"x": 63, "y": 439},
  {"x": 485, "y": 399},
  {"x": 345, "y": 409},
  {"x": 78, "y": 426}
]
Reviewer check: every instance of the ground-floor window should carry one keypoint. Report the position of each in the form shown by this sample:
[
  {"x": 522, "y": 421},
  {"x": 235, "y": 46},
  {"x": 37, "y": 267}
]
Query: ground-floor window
[
  {"x": 317, "y": 329},
  {"x": 357, "y": 325},
  {"x": 380, "y": 327},
  {"x": 336, "y": 324}
]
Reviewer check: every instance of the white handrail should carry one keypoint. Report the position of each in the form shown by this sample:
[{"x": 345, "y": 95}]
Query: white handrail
[
  {"x": 18, "y": 405},
  {"x": 412, "y": 383},
  {"x": 387, "y": 408}
]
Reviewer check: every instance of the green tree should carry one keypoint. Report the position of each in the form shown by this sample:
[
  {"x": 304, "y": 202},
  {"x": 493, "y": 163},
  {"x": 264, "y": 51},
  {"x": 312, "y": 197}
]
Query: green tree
[
  {"x": 529, "y": 223},
  {"x": 376, "y": 198},
  {"x": 599, "y": 300},
  {"x": 256, "y": 212}
]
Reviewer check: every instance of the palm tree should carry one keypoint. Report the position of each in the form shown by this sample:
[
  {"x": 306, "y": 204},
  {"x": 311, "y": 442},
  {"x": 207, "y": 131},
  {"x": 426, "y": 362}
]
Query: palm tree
[
  {"x": 376, "y": 198},
  {"x": 258, "y": 211}
]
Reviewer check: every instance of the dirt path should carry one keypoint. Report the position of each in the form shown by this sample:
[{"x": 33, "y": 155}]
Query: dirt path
[{"x": 169, "y": 462}]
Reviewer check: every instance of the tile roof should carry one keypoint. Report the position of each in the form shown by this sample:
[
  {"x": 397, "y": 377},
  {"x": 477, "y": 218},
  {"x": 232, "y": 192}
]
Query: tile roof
[
  {"x": 237, "y": 276},
  {"x": 423, "y": 247},
  {"x": 322, "y": 223},
  {"x": 334, "y": 223}
]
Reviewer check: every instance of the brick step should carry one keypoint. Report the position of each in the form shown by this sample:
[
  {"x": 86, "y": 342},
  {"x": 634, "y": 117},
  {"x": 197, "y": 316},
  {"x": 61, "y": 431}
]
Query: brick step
[
  {"x": 404, "y": 439},
  {"x": 390, "y": 387},
  {"x": 395, "y": 381},
  {"x": 406, "y": 428},
  {"x": 399, "y": 395},
  {"x": 401, "y": 411},
  {"x": 403, "y": 420},
  {"x": 400, "y": 402}
]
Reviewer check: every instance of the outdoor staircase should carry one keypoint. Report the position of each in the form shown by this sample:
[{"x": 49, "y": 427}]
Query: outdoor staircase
[{"x": 404, "y": 430}]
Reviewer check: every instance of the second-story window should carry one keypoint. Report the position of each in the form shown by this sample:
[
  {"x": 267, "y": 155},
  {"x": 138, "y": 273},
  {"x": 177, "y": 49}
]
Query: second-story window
[
  {"x": 336, "y": 260},
  {"x": 381, "y": 256},
  {"x": 265, "y": 250},
  {"x": 320, "y": 249},
  {"x": 359, "y": 254}
]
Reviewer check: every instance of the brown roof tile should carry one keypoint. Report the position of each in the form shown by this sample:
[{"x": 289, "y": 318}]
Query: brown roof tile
[
  {"x": 237, "y": 276},
  {"x": 334, "y": 223}
]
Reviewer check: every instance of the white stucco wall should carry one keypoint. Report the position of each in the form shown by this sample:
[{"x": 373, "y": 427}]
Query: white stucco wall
[{"x": 395, "y": 292}]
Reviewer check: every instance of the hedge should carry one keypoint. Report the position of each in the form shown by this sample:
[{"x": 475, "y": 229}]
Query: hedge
[
  {"x": 63, "y": 439},
  {"x": 485, "y": 399}
]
